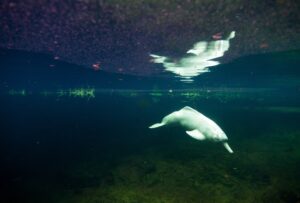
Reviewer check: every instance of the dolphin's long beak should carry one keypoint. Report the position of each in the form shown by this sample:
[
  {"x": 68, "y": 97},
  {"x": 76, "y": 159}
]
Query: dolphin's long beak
[
  {"x": 156, "y": 125},
  {"x": 226, "y": 145}
]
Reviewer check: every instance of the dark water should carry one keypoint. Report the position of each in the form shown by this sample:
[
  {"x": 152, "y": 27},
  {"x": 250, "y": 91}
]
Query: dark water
[{"x": 59, "y": 146}]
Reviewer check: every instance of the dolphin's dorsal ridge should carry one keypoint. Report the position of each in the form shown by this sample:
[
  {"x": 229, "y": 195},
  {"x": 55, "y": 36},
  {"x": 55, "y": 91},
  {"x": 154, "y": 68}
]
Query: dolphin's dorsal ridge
[
  {"x": 196, "y": 134},
  {"x": 190, "y": 109}
]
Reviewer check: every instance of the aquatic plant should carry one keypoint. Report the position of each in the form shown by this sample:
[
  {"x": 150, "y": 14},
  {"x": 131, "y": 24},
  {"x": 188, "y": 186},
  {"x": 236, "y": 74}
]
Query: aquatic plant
[
  {"x": 17, "y": 92},
  {"x": 156, "y": 94},
  {"x": 79, "y": 92}
]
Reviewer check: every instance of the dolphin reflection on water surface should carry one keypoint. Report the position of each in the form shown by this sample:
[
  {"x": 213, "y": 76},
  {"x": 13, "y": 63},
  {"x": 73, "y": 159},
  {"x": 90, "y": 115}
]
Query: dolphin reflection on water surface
[{"x": 196, "y": 60}]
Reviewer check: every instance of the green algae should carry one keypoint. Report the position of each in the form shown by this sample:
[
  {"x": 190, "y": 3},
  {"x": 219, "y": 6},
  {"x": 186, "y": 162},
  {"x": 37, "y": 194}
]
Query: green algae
[
  {"x": 223, "y": 95},
  {"x": 77, "y": 92},
  {"x": 13, "y": 92}
]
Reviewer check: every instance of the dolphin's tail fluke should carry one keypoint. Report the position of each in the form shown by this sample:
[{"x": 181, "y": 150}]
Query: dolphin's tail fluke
[
  {"x": 156, "y": 125},
  {"x": 226, "y": 145}
]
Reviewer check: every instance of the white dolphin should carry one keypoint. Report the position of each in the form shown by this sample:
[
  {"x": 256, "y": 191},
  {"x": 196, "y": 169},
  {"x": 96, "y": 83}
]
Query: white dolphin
[{"x": 196, "y": 125}]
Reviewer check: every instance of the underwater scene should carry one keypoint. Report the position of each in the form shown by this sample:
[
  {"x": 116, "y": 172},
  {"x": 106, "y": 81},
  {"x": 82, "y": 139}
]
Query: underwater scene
[
  {"x": 68, "y": 142},
  {"x": 149, "y": 101}
]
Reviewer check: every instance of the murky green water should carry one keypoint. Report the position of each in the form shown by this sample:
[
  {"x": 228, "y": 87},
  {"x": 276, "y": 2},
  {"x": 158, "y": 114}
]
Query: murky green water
[
  {"x": 60, "y": 148},
  {"x": 72, "y": 135}
]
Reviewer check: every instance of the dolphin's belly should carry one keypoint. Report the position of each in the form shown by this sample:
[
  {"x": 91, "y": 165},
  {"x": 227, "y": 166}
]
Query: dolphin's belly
[
  {"x": 213, "y": 134},
  {"x": 206, "y": 126}
]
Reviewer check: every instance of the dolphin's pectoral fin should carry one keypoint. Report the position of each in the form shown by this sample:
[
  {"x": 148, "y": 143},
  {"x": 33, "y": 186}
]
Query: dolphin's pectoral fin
[
  {"x": 226, "y": 145},
  {"x": 156, "y": 125},
  {"x": 196, "y": 134}
]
